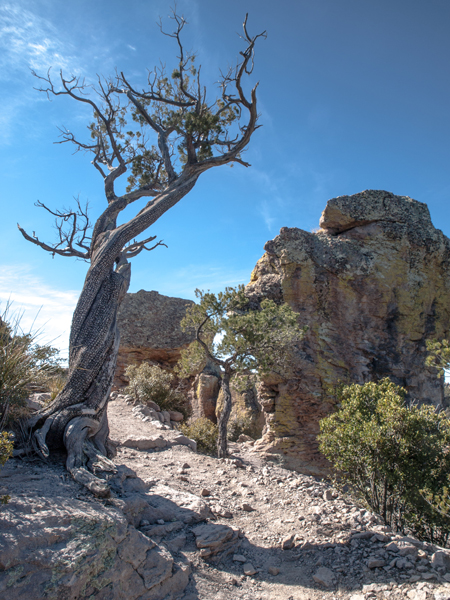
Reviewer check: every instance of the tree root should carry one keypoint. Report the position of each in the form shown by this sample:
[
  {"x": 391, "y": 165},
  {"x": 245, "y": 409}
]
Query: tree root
[
  {"x": 80, "y": 443},
  {"x": 88, "y": 448}
]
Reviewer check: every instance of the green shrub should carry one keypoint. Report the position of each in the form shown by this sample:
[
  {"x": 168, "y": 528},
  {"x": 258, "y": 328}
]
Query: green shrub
[
  {"x": 395, "y": 457},
  {"x": 204, "y": 432},
  {"x": 22, "y": 363},
  {"x": 6, "y": 450},
  {"x": 240, "y": 425},
  {"x": 6, "y": 447},
  {"x": 150, "y": 383},
  {"x": 54, "y": 385},
  {"x": 438, "y": 355}
]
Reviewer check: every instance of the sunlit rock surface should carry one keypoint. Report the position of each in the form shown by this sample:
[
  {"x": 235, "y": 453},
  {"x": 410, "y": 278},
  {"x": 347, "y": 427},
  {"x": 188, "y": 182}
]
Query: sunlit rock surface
[
  {"x": 150, "y": 331},
  {"x": 372, "y": 284}
]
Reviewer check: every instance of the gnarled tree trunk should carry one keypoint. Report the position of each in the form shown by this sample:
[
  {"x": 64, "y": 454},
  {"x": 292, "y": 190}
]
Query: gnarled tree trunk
[
  {"x": 172, "y": 126},
  {"x": 222, "y": 440},
  {"x": 77, "y": 418}
]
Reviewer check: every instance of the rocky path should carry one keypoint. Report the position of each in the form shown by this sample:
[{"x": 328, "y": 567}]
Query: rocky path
[
  {"x": 184, "y": 526},
  {"x": 274, "y": 534}
]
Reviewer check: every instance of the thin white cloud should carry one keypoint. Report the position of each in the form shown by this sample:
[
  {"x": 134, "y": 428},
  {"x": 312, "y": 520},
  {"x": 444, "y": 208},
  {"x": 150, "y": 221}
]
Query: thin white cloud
[
  {"x": 43, "y": 308},
  {"x": 266, "y": 214},
  {"x": 274, "y": 197},
  {"x": 28, "y": 41}
]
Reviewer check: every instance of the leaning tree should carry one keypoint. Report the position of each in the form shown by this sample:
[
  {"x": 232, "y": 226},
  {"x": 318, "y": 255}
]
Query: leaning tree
[{"x": 165, "y": 135}]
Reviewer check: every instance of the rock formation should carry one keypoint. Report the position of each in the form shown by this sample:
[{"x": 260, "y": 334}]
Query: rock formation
[
  {"x": 150, "y": 331},
  {"x": 58, "y": 542},
  {"x": 373, "y": 284}
]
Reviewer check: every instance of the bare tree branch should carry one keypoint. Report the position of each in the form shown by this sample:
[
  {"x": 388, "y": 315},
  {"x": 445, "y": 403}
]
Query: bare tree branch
[
  {"x": 75, "y": 234},
  {"x": 136, "y": 247},
  {"x": 163, "y": 137}
]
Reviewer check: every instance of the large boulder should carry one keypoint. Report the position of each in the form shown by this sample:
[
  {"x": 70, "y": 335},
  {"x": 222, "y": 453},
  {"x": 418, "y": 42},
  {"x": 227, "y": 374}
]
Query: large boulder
[
  {"x": 150, "y": 331},
  {"x": 372, "y": 285},
  {"x": 56, "y": 541}
]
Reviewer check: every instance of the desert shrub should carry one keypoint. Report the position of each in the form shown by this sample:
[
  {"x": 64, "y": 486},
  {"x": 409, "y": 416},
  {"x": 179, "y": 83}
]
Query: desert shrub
[
  {"x": 204, "y": 432},
  {"x": 55, "y": 384},
  {"x": 6, "y": 450},
  {"x": 438, "y": 355},
  {"x": 150, "y": 383},
  {"x": 22, "y": 362},
  {"x": 240, "y": 424},
  {"x": 395, "y": 457},
  {"x": 6, "y": 447}
]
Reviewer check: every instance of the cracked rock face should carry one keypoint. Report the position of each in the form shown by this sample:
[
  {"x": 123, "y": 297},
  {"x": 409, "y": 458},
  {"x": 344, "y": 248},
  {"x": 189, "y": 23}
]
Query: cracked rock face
[
  {"x": 372, "y": 285},
  {"x": 150, "y": 331},
  {"x": 61, "y": 547}
]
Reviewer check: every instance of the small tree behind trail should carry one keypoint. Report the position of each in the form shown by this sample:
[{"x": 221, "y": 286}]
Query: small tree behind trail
[
  {"x": 164, "y": 135},
  {"x": 243, "y": 342}
]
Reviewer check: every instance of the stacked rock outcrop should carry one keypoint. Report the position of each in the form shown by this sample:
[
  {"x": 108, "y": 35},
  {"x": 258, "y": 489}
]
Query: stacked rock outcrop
[
  {"x": 150, "y": 331},
  {"x": 372, "y": 285}
]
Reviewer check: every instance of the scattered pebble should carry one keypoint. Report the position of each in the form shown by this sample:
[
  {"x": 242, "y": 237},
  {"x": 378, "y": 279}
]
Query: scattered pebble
[{"x": 249, "y": 569}]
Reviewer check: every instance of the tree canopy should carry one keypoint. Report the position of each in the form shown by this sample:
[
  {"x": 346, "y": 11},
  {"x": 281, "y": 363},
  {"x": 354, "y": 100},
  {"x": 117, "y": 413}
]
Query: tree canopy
[
  {"x": 240, "y": 339},
  {"x": 163, "y": 135}
]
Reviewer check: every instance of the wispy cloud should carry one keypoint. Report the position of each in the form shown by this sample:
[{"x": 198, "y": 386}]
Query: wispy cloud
[
  {"x": 267, "y": 215},
  {"x": 27, "y": 42},
  {"x": 275, "y": 197},
  {"x": 45, "y": 309},
  {"x": 30, "y": 41}
]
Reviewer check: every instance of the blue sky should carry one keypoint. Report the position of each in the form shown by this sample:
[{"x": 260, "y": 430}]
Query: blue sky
[{"x": 354, "y": 94}]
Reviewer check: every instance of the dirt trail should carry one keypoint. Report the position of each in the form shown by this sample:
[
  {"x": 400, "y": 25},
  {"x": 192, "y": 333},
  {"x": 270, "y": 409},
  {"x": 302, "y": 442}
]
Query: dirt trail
[{"x": 298, "y": 539}]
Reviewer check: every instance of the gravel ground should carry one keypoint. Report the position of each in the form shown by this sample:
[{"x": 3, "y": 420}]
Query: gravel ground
[{"x": 290, "y": 536}]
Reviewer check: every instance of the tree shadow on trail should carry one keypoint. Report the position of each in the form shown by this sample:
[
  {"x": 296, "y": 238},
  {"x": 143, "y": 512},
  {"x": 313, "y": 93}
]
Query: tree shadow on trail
[
  {"x": 174, "y": 519},
  {"x": 323, "y": 567}
]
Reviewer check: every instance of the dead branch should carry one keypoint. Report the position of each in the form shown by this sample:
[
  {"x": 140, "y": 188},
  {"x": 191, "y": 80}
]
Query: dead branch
[
  {"x": 189, "y": 131},
  {"x": 75, "y": 234},
  {"x": 135, "y": 248}
]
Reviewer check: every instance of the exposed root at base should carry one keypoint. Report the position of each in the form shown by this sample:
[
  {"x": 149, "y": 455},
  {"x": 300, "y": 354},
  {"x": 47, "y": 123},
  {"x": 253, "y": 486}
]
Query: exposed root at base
[
  {"x": 96, "y": 486},
  {"x": 80, "y": 443}
]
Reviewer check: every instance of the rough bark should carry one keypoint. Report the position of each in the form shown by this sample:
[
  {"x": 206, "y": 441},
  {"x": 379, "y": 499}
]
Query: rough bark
[
  {"x": 222, "y": 440},
  {"x": 77, "y": 419}
]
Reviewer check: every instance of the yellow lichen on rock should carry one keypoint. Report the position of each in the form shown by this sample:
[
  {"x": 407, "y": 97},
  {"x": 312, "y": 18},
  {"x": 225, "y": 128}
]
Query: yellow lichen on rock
[{"x": 372, "y": 286}]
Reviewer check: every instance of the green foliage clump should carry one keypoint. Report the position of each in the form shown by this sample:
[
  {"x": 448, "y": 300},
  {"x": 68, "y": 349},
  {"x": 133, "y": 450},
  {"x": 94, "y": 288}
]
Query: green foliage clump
[
  {"x": 243, "y": 339},
  {"x": 150, "y": 383},
  {"x": 396, "y": 458},
  {"x": 6, "y": 450},
  {"x": 6, "y": 447},
  {"x": 240, "y": 424},
  {"x": 55, "y": 384},
  {"x": 22, "y": 363},
  {"x": 204, "y": 432},
  {"x": 249, "y": 339},
  {"x": 439, "y": 355}
]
